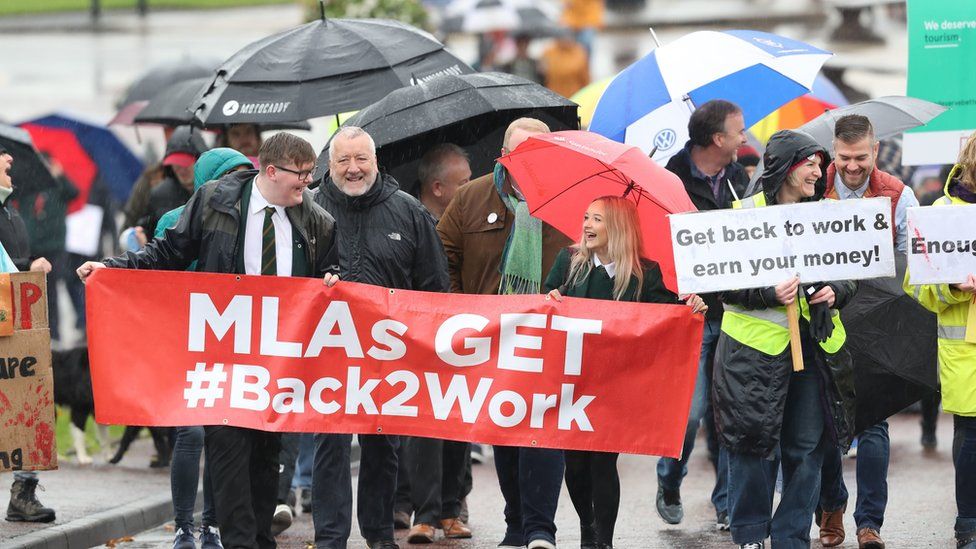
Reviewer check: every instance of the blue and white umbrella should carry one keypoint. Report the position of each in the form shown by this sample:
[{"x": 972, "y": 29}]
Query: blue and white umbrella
[{"x": 648, "y": 104}]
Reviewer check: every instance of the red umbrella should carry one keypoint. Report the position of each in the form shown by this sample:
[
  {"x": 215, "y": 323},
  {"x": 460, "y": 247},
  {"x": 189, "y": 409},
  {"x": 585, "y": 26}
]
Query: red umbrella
[
  {"x": 561, "y": 173},
  {"x": 64, "y": 147}
]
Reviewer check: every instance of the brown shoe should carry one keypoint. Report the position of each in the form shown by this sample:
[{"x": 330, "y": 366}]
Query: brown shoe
[
  {"x": 421, "y": 533},
  {"x": 832, "y": 527},
  {"x": 869, "y": 538},
  {"x": 455, "y": 529}
]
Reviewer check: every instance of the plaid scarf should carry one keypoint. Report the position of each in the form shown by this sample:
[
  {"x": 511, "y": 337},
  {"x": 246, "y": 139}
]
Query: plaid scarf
[{"x": 521, "y": 266}]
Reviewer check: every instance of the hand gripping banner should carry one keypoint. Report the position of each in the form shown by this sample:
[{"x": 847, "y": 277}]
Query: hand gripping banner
[{"x": 291, "y": 355}]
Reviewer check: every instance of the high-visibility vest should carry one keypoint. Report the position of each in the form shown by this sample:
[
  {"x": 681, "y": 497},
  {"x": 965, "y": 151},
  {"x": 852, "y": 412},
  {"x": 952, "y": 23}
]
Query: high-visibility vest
[
  {"x": 957, "y": 357},
  {"x": 766, "y": 330}
]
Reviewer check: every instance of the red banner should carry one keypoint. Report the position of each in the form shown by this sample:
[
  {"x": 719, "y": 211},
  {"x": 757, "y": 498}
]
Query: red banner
[{"x": 290, "y": 355}]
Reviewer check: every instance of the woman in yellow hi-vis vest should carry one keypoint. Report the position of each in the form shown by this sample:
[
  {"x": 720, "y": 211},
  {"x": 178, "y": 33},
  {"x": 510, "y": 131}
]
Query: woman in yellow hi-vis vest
[
  {"x": 764, "y": 411},
  {"x": 957, "y": 357}
]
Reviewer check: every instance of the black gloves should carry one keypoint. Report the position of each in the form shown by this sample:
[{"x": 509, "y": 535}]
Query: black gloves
[{"x": 821, "y": 324}]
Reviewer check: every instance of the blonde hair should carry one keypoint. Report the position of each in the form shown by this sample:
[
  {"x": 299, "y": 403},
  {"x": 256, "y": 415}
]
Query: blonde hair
[
  {"x": 624, "y": 245},
  {"x": 966, "y": 167},
  {"x": 525, "y": 123}
]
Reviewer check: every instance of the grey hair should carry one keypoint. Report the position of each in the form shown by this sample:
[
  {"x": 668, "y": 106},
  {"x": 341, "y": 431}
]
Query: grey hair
[
  {"x": 351, "y": 132},
  {"x": 432, "y": 164}
]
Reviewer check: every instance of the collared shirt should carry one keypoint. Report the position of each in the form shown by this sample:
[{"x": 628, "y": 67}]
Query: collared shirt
[
  {"x": 714, "y": 181},
  {"x": 905, "y": 201},
  {"x": 253, "y": 233},
  {"x": 610, "y": 267}
]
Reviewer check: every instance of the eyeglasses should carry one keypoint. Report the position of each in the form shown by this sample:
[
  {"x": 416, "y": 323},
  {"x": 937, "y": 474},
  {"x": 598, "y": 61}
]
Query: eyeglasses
[{"x": 302, "y": 175}]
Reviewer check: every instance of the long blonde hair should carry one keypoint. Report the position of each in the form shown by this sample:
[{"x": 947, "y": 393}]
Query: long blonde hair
[
  {"x": 966, "y": 167},
  {"x": 624, "y": 245}
]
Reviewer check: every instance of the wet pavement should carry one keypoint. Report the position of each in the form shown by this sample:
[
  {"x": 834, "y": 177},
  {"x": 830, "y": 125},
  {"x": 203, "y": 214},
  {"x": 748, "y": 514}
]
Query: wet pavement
[{"x": 921, "y": 508}]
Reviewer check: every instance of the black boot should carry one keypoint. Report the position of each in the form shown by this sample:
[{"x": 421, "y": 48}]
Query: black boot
[{"x": 24, "y": 506}]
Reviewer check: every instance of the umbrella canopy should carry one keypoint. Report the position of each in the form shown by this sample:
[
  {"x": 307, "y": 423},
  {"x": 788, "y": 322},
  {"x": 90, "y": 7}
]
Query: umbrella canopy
[
  {"x": 893, "y": 342},
  {"x": 171, "y": 106},
  {"x": 587, "y": 98},
  {"x": 648, "y": 104},
  {"x": 889, "y": 115},
  {"x": 28, "y": 171},
  {"x": 118, "y": 168},
  {"x": 63, "y": 146},
  {"x": 166, "y": 74},
  {"x": 825, "y": 96},
  {"x": 471, "y": 111},
  {"x": 516, "y": 16},
  {"x": 561, "y": 173},
  {"x": 320, "y": 68}
]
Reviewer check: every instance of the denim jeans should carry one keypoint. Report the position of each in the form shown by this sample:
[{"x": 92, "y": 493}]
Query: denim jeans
[
  {"x": 752, "y": 478},
  {"x": 873, "y": 451},
  {"x": 964, "y": 459},
  {"x": 332, "y": 489},
  {"x": 184, "y": 477},
  {"x": 530, "y": 480},
  {"x": 670, "y": 471},
  {"x": 303, "y": 465}
]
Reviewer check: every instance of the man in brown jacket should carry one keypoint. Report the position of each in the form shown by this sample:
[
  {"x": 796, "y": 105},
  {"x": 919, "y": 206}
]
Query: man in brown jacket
[{"x": 479, "y": 233}]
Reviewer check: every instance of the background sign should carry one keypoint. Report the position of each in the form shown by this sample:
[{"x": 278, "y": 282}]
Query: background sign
[{"x": 941, "y": 53}]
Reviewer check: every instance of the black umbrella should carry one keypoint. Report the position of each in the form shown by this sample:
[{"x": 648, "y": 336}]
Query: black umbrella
[
  {"x": 171, "y": 106},
  {"x": 28, "y": 172},
  {"x": 894, "y": 345},
  {"x": 166, "y": 74},
  {"x": 320, "y": 68},
  {"x": 471, "y": 111}
]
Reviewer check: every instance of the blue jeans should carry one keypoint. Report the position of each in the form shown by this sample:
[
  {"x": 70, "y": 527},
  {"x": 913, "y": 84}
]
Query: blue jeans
[
  {"x": 530, "y": 480},
  {"x": 332, "y": 489},
  {"x": 184, "y": 477},
  {"x": 303, "y": 465},
  {"x": 752, "y": 478},
  {"x": 670, "y": 471},
  {"x": 873, "y": 451},
  {"x": 964, "y": 459}
]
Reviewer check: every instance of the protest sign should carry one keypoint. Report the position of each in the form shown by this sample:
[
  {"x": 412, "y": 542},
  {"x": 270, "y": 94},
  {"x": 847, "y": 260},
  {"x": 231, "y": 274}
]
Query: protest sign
[
  {"x": 26, "y": 382},
  {"x": 757, "y": 247},
  {"x": 290, "y": 355},
  {"x": 941, "y": 38},
  {"x": 942, "y": 245}
]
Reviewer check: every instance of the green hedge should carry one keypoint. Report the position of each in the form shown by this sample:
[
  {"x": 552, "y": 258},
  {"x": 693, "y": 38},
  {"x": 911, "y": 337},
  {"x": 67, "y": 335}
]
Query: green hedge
[{"x": 20, "y": 7}]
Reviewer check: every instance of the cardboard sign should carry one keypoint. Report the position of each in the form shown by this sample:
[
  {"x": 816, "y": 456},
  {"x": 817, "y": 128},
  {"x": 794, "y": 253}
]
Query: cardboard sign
[
  {"x": 27, "y": 440},
  {"x": 290, "y": 355},
  {"x": 758, "y": 247},
  {"x": 942, "y": 244}
]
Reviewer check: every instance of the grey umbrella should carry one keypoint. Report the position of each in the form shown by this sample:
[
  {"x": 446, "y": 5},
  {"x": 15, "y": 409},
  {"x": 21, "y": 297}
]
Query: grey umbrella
[{"x": 890, "y": 116}]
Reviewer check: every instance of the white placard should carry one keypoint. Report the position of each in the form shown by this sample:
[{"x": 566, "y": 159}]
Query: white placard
[
  {"x": 84, "y": 230},
  {"x": 757, "y": 247},
  {"x": 942, "y": 244}
]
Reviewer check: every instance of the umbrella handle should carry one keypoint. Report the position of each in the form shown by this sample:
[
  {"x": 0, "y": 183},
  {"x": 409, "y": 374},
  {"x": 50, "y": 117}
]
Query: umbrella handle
[{"x": 793, "y": 321}]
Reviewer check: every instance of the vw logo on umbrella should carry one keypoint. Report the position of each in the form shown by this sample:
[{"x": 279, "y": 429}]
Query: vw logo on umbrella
[
  {"x": 768, "y": 42},
  {"x": 231, "y": 107},
  {"x": 665, "y": 139}
]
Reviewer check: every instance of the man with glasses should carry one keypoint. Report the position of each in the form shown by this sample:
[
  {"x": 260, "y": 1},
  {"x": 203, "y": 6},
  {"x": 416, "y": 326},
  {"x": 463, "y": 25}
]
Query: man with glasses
[
  {"x": 256, "y": 223},
  {"x": 386, "y": 238}
]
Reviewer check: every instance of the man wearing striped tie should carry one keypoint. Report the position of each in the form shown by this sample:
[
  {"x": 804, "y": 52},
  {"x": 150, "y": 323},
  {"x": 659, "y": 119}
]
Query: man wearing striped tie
[{"x": 255, "y": 223}]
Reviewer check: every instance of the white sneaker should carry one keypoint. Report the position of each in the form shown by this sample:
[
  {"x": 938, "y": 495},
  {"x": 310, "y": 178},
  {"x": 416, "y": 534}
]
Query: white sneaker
[
  {"x": 281, "y": 520},
  {"x": 541, "y": 544}
]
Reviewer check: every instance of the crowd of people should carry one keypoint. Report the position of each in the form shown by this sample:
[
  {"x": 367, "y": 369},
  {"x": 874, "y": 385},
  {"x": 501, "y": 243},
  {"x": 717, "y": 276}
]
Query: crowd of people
[{"x": 245, "y": 207}]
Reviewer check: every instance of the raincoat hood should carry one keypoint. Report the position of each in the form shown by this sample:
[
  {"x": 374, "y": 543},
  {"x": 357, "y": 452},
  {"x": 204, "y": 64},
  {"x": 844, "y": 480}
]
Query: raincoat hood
[
  {"x": 185, "y": 139},
  {"x": 215, "y": 162},
  {"x": 785, "y": 149}
]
